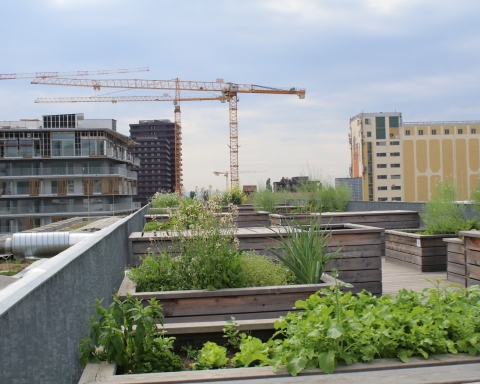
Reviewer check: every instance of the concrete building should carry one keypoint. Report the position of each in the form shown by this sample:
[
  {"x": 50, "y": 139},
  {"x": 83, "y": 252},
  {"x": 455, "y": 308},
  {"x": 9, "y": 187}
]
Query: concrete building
[
  {"x": 402, "y": 161},
  {"x": 62, "y": 166},
  {"x": 156, "y": 151}
]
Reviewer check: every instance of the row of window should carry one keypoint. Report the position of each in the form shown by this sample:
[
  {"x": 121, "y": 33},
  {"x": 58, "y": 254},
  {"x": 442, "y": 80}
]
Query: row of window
[
  {"x": 383, "y": 143},
  {"x": 446, "y": 131},
  {"x": 381, "y": 177},
  {"x": 386, "y": 199},
  {"x": 393, "y": 187},
  {"x": 383, "y": 154},
  {"x": 385, "y": 165}
]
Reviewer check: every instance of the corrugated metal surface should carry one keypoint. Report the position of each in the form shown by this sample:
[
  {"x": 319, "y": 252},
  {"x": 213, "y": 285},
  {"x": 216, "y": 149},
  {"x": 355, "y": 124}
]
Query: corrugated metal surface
[{"x": 45, "y": 314}]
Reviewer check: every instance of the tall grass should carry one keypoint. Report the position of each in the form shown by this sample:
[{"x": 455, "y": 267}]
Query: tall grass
[
  {"x": 266, "y": 200},
  {"x": 322, "y": 196}
]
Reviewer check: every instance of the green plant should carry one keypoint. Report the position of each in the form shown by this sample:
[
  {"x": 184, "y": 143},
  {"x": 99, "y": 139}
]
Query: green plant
[
  {"x": 160, "y": 358},
  {"x": 232, "y": 333},
  {"x": 211, "y": 356},
  {"x": 151, "y": 226},
  {"x": 262, "y": 271},
  {"x": 322, "y": 196},
  {"x": 266, "y": 200},
  {"x": 305, "y": 250},
  {"x": 335, "y": 326},
  {"x": 191, "y": 352},
  {"x": 252, "y": 351},
  {"x": 442, "y": 214},
  {"x": 125, "y": 333},
  {"x": 234, "y": 196},
  {"x": 475, "y": 199}
]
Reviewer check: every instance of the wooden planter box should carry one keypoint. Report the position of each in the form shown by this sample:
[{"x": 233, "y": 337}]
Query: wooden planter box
[
  {"x": 220, "y": 305},
  {"x": 456, "y": 266},
  {"x": 425, "y": 253},
  {"x": 458, "y": 368},
  {"x": 472, "y": 256},
  {"x": 359, "y": 264},
  {"x": 381, "y": 219},
  {"x": 245, "y": 219}
]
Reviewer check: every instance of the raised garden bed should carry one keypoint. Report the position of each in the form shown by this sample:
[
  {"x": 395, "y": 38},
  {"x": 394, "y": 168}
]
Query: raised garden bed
[
  {"x": 245, "y": 219},
  {"x": 396, "y": 219},
  {"x": 437, "y": 369},
  {"x": 456, "y": 266},
  {"x": 222, "y": 304},
  {"x": 359, "y": 263},
  {"x": 472, "y": 256},
  {"x": 425, "y": 253}
]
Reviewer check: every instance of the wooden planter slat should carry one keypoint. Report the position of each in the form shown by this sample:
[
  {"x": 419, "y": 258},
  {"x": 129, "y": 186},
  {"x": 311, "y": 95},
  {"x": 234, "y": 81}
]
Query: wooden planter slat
[
  {"x": 457, "y": 279},
  {"x": 437, "y": 369},
  {"x": 457, "y": 269},
  {"x": 472, "y": 257},
  {"x": 473, "y": 272},
  {"x": 456, "y": 261}
]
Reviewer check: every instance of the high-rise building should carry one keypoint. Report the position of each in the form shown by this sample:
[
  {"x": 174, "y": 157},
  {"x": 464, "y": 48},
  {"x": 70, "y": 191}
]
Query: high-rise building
[
  {"x": 402, "y": 161},
  {"x": 156, "y": 151},
  {"x": 63, "y": 166}
]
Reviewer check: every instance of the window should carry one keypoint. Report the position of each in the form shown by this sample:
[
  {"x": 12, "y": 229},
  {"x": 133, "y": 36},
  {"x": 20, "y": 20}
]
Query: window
[
  {"x": 368, "y": 121},
  {"x": 381, "y": 176},
  {"x": 382, "y": 188},
  {"x": 394, "y": 165},
  {"x": 473, "y": 130},
  {"x": 434, "y": 131},
  {"x": 382, "y": 199},
  {"x": 447, "y": 131},
  {"x": 420, "y": 132},
  {"x": 460, "y": 131},
  {"x": 381, "y": 165},
  {"x": 395, "y": 154},
  {"x": 369, "y": 134},
  {"x": 396, "y": 199},
  {"x": 395, "y": 177},
  {"x": 63, "y": 144},
  {"x": 381, "y": 143},
  {"x": 407, "y": 132},
  {"x": 380, "y": 127},
  {"x": 381, "y": 154},
  {"x": 394, "y": 143},
  {"x": 393, "y": 121},
  {"x": 396, "y": 187}
]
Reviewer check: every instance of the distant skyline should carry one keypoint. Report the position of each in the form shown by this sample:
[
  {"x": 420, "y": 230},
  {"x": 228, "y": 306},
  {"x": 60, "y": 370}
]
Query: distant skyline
[{"x": 420, "y": 58}]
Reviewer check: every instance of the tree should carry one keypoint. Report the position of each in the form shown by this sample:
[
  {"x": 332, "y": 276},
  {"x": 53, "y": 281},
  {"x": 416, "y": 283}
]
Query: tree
[{"x": 268, "y": 185}]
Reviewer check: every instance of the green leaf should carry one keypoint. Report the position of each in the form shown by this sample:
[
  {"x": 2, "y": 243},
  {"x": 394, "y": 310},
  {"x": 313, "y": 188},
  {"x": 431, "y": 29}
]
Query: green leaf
[
  {"x": 327, "y": 361},
  {"x": 296, "y": 364},
  {"x": 335, "y": 331},
  {"x": 403, "y": 355}
]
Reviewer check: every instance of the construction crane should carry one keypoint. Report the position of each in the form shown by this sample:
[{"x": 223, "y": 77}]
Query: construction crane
[
  {"x": 225, "y": 173},
  {"x": 44, "y": 75},
  {"x": 165, "y": 97},
  {"x": 229, "y": 90}
]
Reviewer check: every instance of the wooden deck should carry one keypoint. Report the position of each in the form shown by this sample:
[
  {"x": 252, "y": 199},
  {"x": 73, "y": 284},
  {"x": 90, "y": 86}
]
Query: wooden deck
[{"x": 396, "y": 277}]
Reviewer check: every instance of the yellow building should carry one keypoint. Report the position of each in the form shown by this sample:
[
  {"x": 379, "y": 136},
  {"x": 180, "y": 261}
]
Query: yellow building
[{"x": 400, "y": 161}]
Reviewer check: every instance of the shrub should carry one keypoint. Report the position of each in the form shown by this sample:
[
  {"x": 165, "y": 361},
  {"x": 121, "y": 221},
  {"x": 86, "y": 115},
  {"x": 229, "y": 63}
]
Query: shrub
[
  {"x": 165, "y": 200},
  {"x": 304, "y": 250},
  {"x": 262, "y": 271},
  {"x": 151, "y": 226},
  {"x": 322, "y": 196},
  {"x": 234, "y": 196},
  {"x": 442, "y": 214},
  {"x": 475, "y": 199}
]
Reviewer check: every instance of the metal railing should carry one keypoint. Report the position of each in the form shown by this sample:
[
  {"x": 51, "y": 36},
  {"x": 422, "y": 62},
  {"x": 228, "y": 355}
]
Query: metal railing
[
  {"x": 65, "y": 171},
  {"x": 68, "y": 209}
]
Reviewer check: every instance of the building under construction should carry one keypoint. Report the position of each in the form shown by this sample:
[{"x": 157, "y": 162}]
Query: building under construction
[{"x": 156, "y": 150}]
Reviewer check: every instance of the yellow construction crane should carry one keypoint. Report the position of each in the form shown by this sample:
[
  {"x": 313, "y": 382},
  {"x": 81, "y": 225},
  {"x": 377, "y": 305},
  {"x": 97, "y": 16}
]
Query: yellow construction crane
[
  {"x": 229, "y": 90},
  {"x": 44, "y": 75},
  {"x": 225, "y": 173}
]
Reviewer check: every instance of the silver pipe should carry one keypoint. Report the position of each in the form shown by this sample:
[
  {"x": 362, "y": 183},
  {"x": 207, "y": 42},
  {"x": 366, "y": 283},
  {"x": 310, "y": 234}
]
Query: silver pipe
[{"x": 40, "y": 244}]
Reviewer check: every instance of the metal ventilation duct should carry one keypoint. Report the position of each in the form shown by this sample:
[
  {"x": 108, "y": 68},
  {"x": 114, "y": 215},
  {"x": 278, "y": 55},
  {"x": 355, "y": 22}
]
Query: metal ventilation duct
[{"x": 43, "y": 244}]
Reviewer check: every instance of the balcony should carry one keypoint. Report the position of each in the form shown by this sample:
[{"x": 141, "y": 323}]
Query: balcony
[
  {"x": 66, "y": 171},
  {"x": 68, "y": 209}
]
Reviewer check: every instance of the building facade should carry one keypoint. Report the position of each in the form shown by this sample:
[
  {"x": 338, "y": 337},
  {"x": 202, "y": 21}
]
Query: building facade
[
  {"x": 402, "y": 161},
  {"x": 63, "y": 166},
  {"x": 156, "y": 151}
]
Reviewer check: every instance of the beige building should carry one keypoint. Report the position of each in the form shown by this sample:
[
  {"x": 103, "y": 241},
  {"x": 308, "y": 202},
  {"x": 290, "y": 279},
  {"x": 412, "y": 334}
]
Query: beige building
[{"x": 400, "y": 161}]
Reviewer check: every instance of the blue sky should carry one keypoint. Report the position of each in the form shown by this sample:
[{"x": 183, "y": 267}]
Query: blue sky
[{"x": 417, "y": 57}]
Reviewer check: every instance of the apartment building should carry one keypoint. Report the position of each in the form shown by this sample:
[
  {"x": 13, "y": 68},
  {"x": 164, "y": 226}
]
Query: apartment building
[
  {"x": 156, "y": 151},
  {"x": 63, "y": 166},
  {"x": 402, "y": 161}
]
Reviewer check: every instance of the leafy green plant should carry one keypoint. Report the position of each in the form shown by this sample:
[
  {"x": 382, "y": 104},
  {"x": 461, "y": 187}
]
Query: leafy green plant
[
  {"x": 125, "y": 333},
  {"x": 165, "y": 201},
  {"x": 262, "y": 271},
  {"x": 442, "y": 214},
  {"x": 151, "y": 226},
  {"x": 335, "y": 326},
  {"x": 231, "y": 333},
  {"x": 211, "y": 356},
  {"x": 191, "y": 352},
  {"x": 234, "y": 196},
  {"x": 160, "y": 358},
  {"x": 266, "y": 200},
  {"x": 252, "y": 352},
  {"x": 475, "y": 199},
  {"x": 305, "y": 250}
]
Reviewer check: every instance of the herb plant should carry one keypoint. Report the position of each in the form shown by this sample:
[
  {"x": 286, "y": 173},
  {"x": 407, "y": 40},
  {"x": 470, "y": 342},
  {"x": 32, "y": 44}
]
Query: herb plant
[
  {"x": 126, "y": 333},
  {"x": 231, "y": 333},
  {"x": 262, "y": 271},
  {"x": 305, "y": 251}
]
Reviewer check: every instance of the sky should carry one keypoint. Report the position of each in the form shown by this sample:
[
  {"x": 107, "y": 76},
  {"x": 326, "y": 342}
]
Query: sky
[{"x": 418, "y": 57}]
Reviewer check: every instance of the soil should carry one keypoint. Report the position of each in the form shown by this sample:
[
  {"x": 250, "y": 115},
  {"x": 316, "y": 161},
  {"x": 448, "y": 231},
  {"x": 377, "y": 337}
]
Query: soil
[{"x": 12, "y": 267}]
